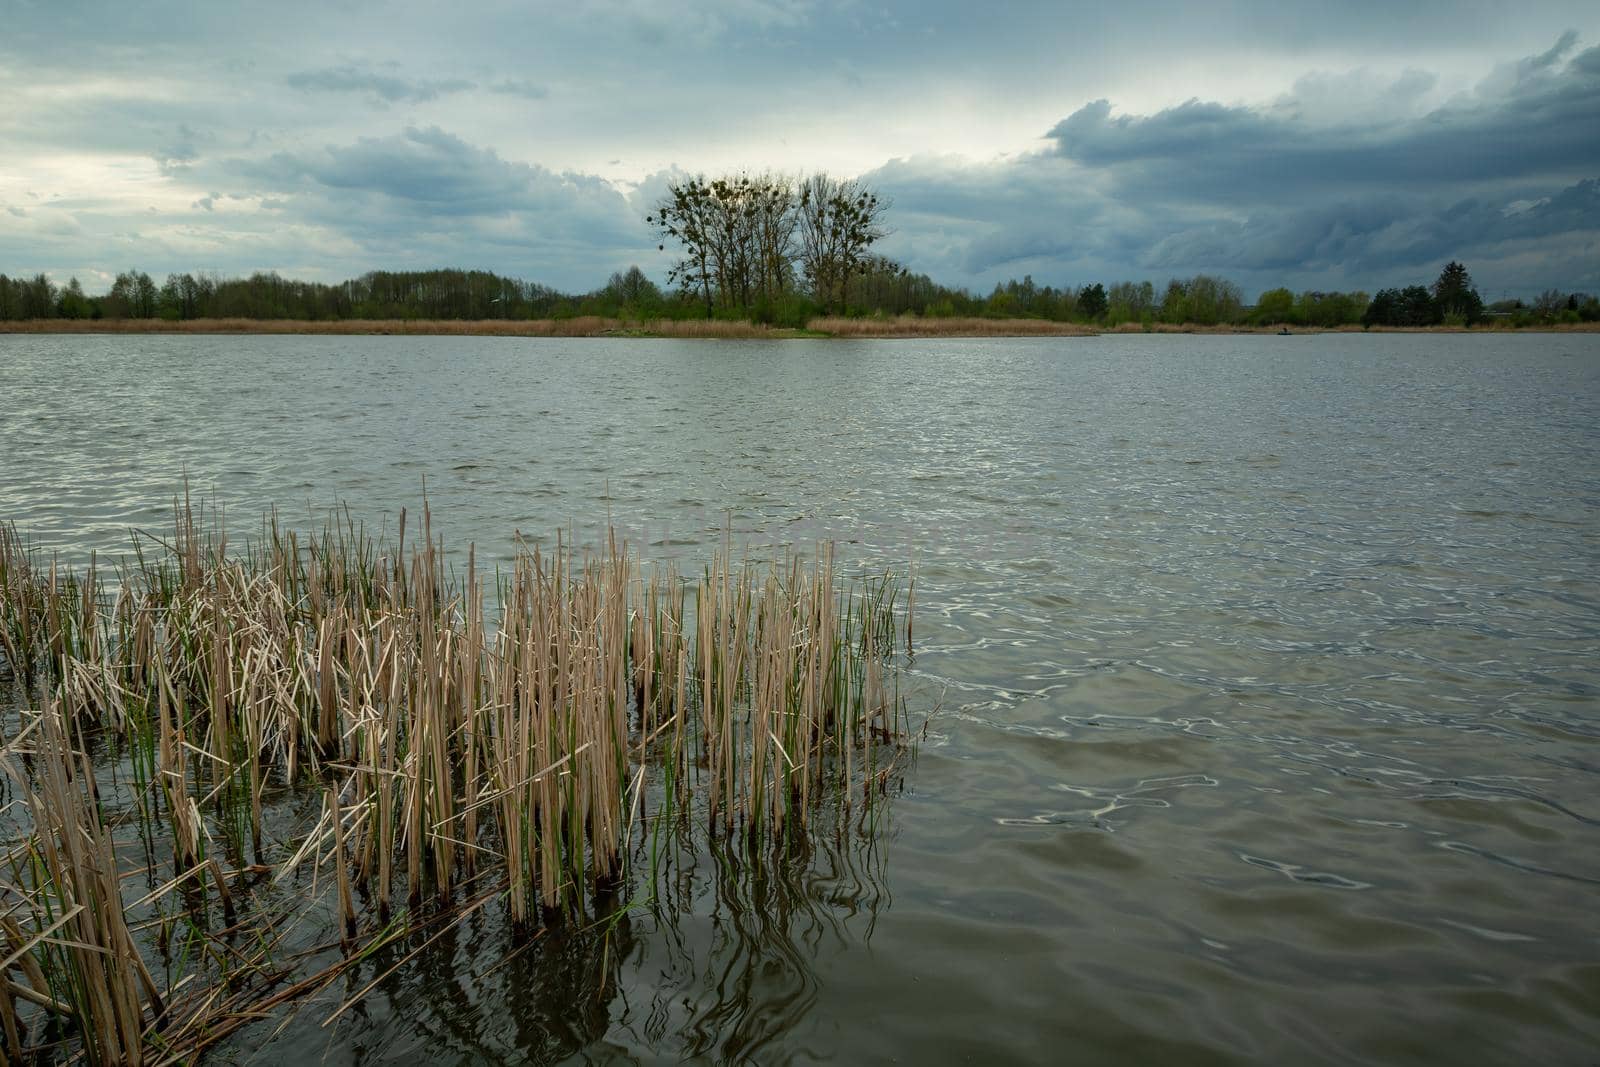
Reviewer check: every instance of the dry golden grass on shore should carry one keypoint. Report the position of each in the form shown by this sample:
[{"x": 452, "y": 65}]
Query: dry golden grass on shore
[
  {"x": 581, "y": 326},
  {"x": 704, "y": 328},
  {"x": 1492, "y": 327},
  {"x": 909, "y": 326},
  {"x": 904, "y": 326},
  {"x": 536, "y": 328},
  {"x": 1192, "y": 327}
]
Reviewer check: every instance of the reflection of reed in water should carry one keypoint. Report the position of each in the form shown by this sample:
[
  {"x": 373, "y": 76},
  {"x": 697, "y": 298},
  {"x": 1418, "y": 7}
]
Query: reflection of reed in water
[
  {"x": 716, "y": 963},
  {"x": 484, "y": 994},
  {"x": 738, "y": 939},
  {"x": 612, "y": 728},
  {"x": 715, "y": 959}
]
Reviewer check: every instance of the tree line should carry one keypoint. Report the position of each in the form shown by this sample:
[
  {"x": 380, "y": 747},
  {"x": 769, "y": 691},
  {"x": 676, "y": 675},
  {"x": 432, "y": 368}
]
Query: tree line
[
  {"x": 770, "y": 288},
  {"x": 1551, "y": 306},
  {"x": 1453, "y": 300},
  {"x": 434, "y": 294}
]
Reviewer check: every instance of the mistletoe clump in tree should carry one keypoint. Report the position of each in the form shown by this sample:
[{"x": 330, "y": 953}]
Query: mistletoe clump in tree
[
  {"x": 684, "y": 215},
  {"x": 840, "y": 221}
]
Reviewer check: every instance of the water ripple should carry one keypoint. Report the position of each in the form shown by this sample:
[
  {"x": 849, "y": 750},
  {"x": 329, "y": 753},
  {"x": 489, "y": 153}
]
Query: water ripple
[{"x": 1269, "y": 674}]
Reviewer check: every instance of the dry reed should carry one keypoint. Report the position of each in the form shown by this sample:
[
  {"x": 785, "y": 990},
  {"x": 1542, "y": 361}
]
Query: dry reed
[
  {"x": 576, "y": 326},
  {"x": 78, "y": 959},
  {"x": 911, "y": 326},
  {"x": 904, "y": 326},
  {"x": 448, "y": 741}
]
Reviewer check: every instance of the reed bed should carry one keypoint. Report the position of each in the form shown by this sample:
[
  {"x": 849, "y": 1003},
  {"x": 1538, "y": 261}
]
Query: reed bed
[
  {"x": 912, "y": 326},
  {"x": 904, "y": 326},
  {"x": 1235, "y": 328},
  {"x": 709, "y": 329},
  {"x": 577, "y": 326},
  {"x": 583, "y": 326},
  {"x": 529, "y": 736}
]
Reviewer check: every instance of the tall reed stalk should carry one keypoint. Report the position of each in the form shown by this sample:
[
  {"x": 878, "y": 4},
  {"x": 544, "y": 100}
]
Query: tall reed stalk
[
  {"x": 448, "y": 737},
  {"x": 73, "y": 949}
]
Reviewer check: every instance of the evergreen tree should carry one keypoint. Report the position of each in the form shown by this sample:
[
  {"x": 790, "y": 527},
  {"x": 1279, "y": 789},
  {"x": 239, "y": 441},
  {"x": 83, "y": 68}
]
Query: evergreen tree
[
  {"x": 1092, "y": 302},
  {"x": 1455, "y": 295},
  {"x": 1418, "y": 307}
]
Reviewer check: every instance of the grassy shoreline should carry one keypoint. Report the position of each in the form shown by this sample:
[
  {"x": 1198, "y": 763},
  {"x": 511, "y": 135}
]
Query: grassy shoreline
[{"x": 822, "y": 328}]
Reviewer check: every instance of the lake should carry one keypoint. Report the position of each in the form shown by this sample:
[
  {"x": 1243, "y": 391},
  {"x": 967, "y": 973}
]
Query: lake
[{"x": 1263, "y": 673}]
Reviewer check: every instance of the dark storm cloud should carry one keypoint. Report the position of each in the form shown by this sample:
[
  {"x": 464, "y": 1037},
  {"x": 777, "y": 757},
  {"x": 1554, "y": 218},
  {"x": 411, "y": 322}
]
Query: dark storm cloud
[
  {"x": 421, "y": 196},
  {"x": 431, "y": 172},
  {"x": 420, "y": 166},
  {"x": 1286, "y": 191},
  {"x": 1543, "y": 123},
  {"x": 1377, "y": 236}
]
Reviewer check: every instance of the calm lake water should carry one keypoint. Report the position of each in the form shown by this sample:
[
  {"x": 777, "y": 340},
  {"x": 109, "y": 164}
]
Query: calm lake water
[{"x": 1265, "y": 672}]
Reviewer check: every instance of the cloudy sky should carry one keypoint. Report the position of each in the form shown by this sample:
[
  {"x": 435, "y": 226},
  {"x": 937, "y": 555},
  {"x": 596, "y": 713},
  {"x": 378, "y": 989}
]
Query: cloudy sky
[{"x": 1350, "y": 145}]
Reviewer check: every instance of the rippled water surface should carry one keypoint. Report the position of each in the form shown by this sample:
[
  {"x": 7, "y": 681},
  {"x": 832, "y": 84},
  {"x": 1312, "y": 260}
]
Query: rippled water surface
[{"x": 1267, "y": 671}]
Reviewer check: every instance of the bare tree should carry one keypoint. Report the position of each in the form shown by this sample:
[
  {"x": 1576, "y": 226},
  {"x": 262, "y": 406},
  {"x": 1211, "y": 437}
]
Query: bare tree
[
  {"x": 748, "y": 238},
  {"x": 686, "y": 215},
  {"x": 840, "y": 220}
]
